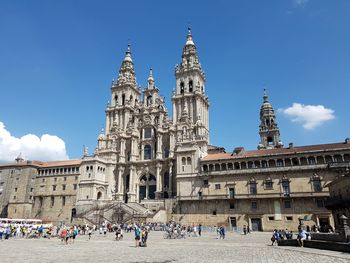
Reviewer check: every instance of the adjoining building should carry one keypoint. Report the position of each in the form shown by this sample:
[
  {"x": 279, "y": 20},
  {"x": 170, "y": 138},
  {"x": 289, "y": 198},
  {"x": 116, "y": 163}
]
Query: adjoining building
[
  {"x": 339, "y": 200},
  {"x": 147, "y": 166}
]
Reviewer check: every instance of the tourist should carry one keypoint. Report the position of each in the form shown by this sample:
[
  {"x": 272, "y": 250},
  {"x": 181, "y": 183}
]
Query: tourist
[
  {"x": 222, "y": 232},
  {"x": 63, "y": 234},
  {"x": 244, "y": 230},
  {"x": 89, "y": 230},
  {"x": 275, "y": 237},
  {"x": 200, "y": 230},
  {"x": 302, "y": 235},
  {"x": 137, "y": 235}
]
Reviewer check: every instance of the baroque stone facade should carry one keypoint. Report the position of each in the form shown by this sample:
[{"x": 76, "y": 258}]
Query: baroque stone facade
[{"x": 147, "y": 165}]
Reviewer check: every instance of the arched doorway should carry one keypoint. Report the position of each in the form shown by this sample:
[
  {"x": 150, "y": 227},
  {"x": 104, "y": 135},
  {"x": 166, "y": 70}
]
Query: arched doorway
[
  {"x": 74, "y": 213},
  {"x": 147, "y": 187}
]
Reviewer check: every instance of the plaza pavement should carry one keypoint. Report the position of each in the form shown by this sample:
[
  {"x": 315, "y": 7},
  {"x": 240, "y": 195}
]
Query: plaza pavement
[{"x": 254, "y": 247}]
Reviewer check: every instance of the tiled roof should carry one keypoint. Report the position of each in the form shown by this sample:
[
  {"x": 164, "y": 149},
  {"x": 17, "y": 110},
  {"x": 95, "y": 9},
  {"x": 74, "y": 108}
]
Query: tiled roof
[
  {"x": 60, "y": 163},
  {"x": 279, "y": 151},
  {"x": 43, "y": 164}
]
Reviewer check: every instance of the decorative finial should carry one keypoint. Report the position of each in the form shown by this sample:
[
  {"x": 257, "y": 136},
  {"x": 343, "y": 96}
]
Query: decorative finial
[
  {"x": 85, "y": 151},
  {"x": 265, "y": 95},
  {"x": 189, "y": 37},
  {"x": 150, "y": 79},
  {"x": 128, "y": 54}
]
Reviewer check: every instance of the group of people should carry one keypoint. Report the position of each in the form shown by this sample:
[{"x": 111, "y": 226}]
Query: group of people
[
  {"x": 175, "y": 230},
  {"x": 303, "y": 234},
  {"x": 20, "y": 230}
]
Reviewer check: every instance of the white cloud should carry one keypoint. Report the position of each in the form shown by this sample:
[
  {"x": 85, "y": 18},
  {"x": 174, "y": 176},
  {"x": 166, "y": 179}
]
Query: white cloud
[
  {"x": 310, "y": 116},
  {"x": 300, "y": 2},
  {"x": 46, "y": 148}
]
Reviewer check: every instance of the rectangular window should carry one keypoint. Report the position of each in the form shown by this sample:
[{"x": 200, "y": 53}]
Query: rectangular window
[
  {"x": 254, "y": 205},
  {"x": 320, "y": 203},
  {"x": 232, "y": 192},
  {"x": 252, "y": 188},
  {"x": 271, "y": 218},
  {"x": 214, "y": 213},
  {"x": 63, "y": 200},
  {"x": 317, "y": 186},
  {"x": 285, "y": 187},
  {"x": 232, "y": 205},
  {"x": 52, "y": 200},
  {"x": 287, "y": 204},
  {"x": 31, "y": 189},
  {"x": 205, "y": 182},
  {"x": 217, "y": 186},
  {"x": 289, "y": 218},
  {"x": 63, "y": 187},
  {"x": 75, "y": 186},
  {"x": 15, "y": 189},
  {"x": 268, "y": 184},
  {"x": 148, "y": 133},
  {"x": 54, "y": 188},
  {"x": 200, "y": 195}
]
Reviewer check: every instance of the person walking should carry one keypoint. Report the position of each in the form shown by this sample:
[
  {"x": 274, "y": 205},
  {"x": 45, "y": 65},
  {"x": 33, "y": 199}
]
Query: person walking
[
  {"x": 137, "y": 235},
  {"x": 200, "y": 230}
]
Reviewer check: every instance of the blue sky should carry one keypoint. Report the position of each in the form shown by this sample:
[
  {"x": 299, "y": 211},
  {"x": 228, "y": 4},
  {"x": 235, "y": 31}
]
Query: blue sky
[{"x": 57, "y": 60}]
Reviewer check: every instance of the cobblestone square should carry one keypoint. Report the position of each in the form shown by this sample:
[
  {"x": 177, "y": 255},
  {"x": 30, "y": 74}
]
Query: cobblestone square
[{"x": 254, "y": 247}]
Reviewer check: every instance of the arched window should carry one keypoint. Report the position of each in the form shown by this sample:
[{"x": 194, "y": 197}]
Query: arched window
[
  {"x": 123, "y": 99},
  {"x": 131, "y": 99},
  {"x": 99, "y": 195},
  {"x": 189, "y": 161},
  {"x": 183, "y": 160},
  {"x": 116, "y": 99},
  {"x": 269, "y": 140},
  {"x": 166, "y": 152},
  {"x": 190, "y": 86},
  {"x": 147, "y": 152},
  {"x": 147, "y": 132},
  {"x": 149, "y": 100},
  {"x": 182, "y": 88}
]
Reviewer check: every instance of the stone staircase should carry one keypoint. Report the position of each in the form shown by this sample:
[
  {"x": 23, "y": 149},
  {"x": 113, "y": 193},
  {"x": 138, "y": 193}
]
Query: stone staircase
[{"x": 114, "y": 212}]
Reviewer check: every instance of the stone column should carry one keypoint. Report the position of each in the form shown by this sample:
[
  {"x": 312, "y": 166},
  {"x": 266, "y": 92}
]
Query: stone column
[
  {"x": 133, "y": 147},
  {"x": 170, "y": 179},
  {"x": 147, "y": 186},
  {"x": 159, "y": 146},
  {"x": 171, "y": 144},
  {"x": 122, "y": 151},
  {"x": 159, "y": 181},
  {"x": 107, "y": 122},
  {"x": 120, "y": 183},
  {"x": 132, "y": 179}
]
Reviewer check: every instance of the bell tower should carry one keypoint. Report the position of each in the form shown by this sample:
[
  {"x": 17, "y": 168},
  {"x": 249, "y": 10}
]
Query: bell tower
[
  {"x": 268, "y": 129},
  {"x": 190, "y": 116},
  {"x": 190, "y": 104}
]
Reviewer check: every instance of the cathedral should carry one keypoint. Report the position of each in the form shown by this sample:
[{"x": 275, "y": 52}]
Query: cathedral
[{"x": 148, "y": 166}]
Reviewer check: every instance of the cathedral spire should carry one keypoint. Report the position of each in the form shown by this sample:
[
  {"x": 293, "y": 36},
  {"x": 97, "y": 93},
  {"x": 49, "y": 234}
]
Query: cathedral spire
[
  {"x": 150, "y": 79},
  {"x": 268, "y": 129},
  {"x": 126, "y": 72}
]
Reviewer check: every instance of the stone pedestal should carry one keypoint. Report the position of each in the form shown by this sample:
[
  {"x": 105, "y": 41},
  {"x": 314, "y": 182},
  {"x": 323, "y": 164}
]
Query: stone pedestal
[
  {"x": 131, "y": 197},
  {"x": 344, "y": 228}
]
